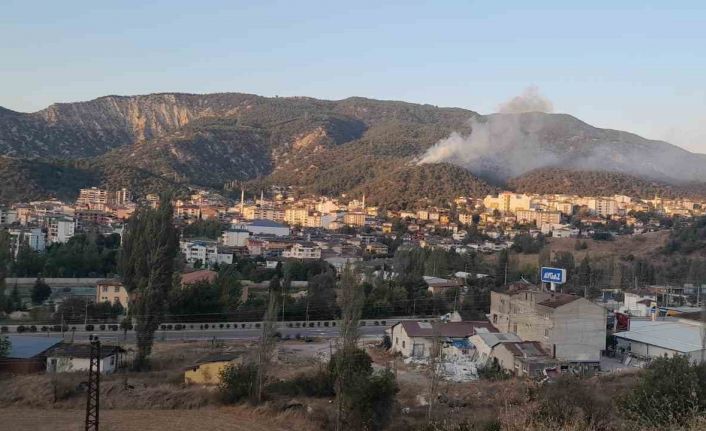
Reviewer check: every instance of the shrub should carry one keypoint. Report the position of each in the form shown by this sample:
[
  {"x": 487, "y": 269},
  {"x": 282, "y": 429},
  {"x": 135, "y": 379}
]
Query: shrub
[
  {"x": 355, "y": 362},
  {"x": 318, "y": 384},
  {"x": 369, "y": 400},
  {"x": 493, "y": 371},
  {"x": 237, "y": 382},
  {"x": 20, "y": 329},
  {"x": 668, "y": 393},
  {"x": 570, "y": 399},
  {"x": 102, "y": 327},
  {"x": 32, "y": 328},
  {"x": 89, "y": 327},
  {"x": 3, "y": 329}
]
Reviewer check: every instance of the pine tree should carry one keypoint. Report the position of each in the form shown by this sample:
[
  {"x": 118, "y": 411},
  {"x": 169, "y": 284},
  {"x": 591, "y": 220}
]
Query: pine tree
[
  {"x": 40, "y": 292},
  {"x": 150, "y": 246}
]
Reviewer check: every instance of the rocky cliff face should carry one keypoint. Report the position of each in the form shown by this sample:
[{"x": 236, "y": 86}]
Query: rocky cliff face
[
  {"x": 85, "y": 129},
  {"x": 147, "y": 142}
]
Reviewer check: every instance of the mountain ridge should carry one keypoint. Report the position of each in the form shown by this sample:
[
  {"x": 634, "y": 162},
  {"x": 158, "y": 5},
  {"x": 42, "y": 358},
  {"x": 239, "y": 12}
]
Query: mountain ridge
[{"x": 327, "y": 146}]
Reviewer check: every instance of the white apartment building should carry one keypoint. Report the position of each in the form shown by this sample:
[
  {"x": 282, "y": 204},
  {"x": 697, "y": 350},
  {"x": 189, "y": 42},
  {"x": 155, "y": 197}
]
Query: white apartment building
[
  {"x": 60, "y": 229},
  {"x": 303, "y": 250},
  {"x": 34, "y": 237},
  {"x": 7, "y": 216},
  {"x": 205, "y": 252},
  {"x": 235, "y": 238},
  {"x": 538, "y": 217}
]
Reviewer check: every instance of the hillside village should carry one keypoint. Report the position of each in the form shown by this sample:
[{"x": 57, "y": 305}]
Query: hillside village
[{"x": 459, "y": 312}]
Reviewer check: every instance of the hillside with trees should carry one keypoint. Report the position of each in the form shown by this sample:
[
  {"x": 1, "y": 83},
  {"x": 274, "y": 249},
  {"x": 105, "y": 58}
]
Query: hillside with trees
[
  {"x": 599, "y": 183},
  {"x": 172, "y": 141}
]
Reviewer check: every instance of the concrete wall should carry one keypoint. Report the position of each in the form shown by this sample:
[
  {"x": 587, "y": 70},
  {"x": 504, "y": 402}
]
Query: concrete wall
[
  {"x": 61, "y": 364},
  {"x": 578, "y": 331}
]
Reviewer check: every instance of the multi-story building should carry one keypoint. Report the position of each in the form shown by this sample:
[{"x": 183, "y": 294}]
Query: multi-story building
[
  {"x": 235, "y": 237},
  {"x": 571, "y": 328},
  {"x": 507, "y": 202},
  {"x": 113, "y": 291},
  {"x": 85, "y": 218},
  {"x": 120, "y": 197},
  {"x": 60, "y": 229},
  {"x": 606, "y": 207},
  {"x": 296, "y": 216},
  {"x": 33, "y": 237},
  {"x": 538, "y": 217},
  {"x": 206, "y": 252},
  {"x": 303, "y": 250},
  {"x": 92, "y": 196},
  {"x": 7, "y": 216},
  {"x": 356, "y": 218},
  {"x": 465, "y": 218}
]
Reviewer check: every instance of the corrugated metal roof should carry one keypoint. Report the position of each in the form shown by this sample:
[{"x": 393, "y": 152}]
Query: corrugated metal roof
[
  {"x": 668, "y": 334},
  {"x": 26, "y": 346}
]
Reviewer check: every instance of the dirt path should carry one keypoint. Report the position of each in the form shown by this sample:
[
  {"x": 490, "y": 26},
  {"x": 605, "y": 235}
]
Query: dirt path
[{"x": 231, "y": 419}]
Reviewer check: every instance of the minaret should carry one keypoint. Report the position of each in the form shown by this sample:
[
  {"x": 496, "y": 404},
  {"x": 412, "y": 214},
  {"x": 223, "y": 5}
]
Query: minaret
[
  {"x": 262, "y": 197},
  {"x": 242, "y": 201},
  {"x": 363, "y": 202}
]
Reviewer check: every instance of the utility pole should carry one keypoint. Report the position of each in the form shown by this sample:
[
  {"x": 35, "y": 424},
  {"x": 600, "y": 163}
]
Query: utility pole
[
  {"x": 93, "y": 392},
  {"x": 283, "y": 301}
]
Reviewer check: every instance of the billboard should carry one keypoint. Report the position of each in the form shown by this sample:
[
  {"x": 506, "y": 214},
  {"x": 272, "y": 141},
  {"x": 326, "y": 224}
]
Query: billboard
[{"x": 553, "y": 275}]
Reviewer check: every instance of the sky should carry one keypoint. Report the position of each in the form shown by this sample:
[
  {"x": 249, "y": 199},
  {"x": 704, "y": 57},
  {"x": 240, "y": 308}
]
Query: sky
[{"x": 636, "y": 66}]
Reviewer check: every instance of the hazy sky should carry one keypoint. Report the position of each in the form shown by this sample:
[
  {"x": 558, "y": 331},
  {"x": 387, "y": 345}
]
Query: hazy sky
[{"x": 639, "y": 66}]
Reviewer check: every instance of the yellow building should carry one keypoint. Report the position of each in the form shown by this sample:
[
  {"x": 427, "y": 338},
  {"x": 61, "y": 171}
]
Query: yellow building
[
  {"x": 354, "y": 219},
  {"x": 507, "y": 202},
  {"x": 296, "y": 216},
  {"x": 113, "y": 291},
  {"x": 208, "y": 370}
]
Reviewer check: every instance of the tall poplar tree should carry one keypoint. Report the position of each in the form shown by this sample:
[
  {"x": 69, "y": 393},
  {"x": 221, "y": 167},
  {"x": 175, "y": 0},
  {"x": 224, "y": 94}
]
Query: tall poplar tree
[
  {"x": 5, "y": 258},
  {"x": 146, "y": 265}
]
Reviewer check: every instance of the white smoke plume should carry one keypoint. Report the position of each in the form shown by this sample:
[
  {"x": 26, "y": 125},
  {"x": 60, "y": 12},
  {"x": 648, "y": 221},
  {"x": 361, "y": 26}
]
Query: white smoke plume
[
  {"x": 531, "y": 100},
  {"x": 498, "y": 147}
]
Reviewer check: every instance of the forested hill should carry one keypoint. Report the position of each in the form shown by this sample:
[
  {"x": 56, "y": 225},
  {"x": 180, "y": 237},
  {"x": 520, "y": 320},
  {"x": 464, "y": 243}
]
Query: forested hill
[
  {"x": 353, "y": 145},
  {"x": 600, "y": 183}
]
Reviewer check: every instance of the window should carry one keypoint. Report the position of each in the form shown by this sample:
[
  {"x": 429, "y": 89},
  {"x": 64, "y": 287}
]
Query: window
[
  {"x": 117, "y": 289},
  {"x": 105, "y": 288},
  {"x": 495, "y": 318},
  {"x": 546, "y": 333},
  {"x": 397, "y": 341},
  {"x": 514, "y": 328},
  {"x": 403, "y": 344}
]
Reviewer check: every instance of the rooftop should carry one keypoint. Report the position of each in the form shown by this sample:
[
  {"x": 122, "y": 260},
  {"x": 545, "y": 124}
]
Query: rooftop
[
  {"x": 196, "y": 276},
  {"x": 265, "y": 223},
  {"x": 82, "y": 350},
  {"x": 27, "y": 346},
  {"x": 525, "y": 349},
  {"x": 674, "y": 335},
  {"x": 448, "y": 329},
  {"x": 558, "y": 299}
]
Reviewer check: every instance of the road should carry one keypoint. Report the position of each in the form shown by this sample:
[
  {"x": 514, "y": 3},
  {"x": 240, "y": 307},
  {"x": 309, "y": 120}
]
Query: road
[{"x": 209, "y": 334}]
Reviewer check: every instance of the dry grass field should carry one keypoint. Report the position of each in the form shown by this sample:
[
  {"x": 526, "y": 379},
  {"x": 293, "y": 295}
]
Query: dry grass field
[{"x": 213, "y": 419}]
